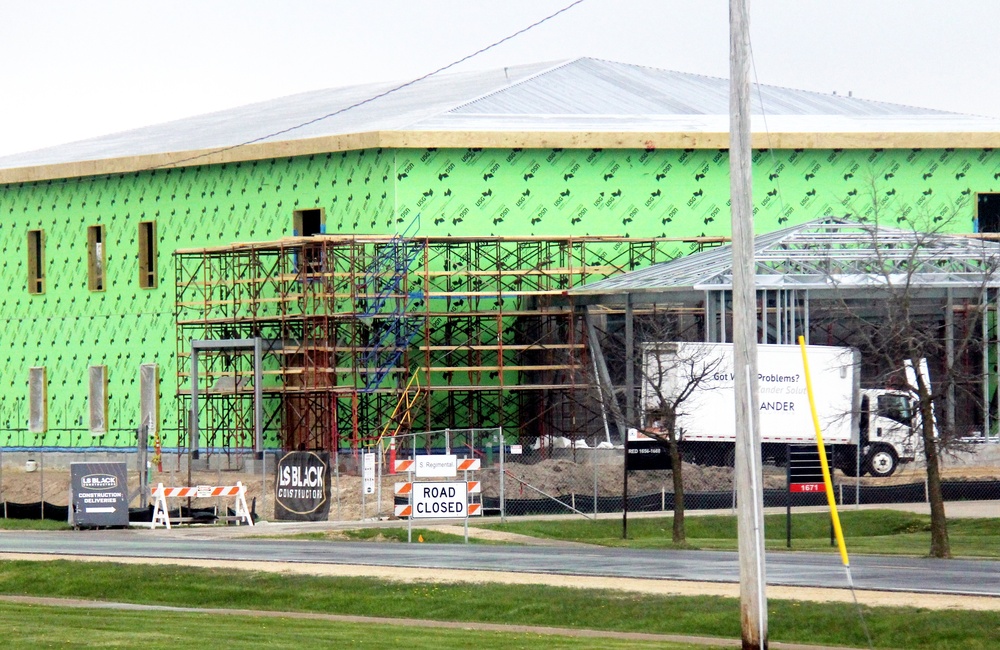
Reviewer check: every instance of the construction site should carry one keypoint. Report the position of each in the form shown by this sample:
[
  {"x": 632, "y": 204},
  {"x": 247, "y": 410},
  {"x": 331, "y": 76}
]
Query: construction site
[{"x": 360, "y": 337}]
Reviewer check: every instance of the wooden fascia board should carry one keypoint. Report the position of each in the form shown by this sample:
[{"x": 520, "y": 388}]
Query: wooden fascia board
[{"x": 497, "y": 139}]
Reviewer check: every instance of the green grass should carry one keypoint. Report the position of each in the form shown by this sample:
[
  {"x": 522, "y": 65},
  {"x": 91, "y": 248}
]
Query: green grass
[
  {"x": 802, "y": 622},
  {"x": 45, "y": 627},
  {"x": 33, "y": 524},
  {"x": 865, "y": 531}
]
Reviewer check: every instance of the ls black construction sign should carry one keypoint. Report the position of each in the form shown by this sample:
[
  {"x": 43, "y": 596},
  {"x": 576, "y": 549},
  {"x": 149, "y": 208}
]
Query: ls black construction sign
[
  {"x": 99, "y": 494},
  {"x": 302, "y": 487}
]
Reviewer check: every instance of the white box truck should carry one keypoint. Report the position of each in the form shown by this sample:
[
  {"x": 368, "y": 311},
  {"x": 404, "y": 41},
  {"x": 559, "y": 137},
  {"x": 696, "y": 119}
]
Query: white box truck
[{"x": 869, "y": 430}]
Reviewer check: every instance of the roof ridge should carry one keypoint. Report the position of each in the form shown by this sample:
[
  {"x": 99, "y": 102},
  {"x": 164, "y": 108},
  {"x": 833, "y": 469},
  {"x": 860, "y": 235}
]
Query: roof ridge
[{"x": 531, "y": 77}]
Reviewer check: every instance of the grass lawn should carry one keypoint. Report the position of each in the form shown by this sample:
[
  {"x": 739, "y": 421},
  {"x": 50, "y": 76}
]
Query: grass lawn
[
  {"x": 33, "y": 524},
  {"x": 865, "y": 531},
  {"x": 46, "y": 627},
  {"x": 802, "y": 622},
  {"x": 37, "y": 627}
]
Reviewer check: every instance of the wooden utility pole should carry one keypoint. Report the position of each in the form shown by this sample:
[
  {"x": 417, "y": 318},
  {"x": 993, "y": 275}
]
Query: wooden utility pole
[{"x": 753, "y": 601}]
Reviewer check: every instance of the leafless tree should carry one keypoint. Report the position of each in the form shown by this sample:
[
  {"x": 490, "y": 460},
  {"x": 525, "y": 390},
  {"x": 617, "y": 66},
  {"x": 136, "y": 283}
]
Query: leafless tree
[
  {"x": 886, "y": 310},
  {"x": 669, "y": 374}
]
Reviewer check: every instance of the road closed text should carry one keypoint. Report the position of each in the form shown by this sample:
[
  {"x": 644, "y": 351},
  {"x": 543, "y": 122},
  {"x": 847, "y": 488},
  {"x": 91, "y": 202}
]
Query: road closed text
[{"x": 448, "y": 499}]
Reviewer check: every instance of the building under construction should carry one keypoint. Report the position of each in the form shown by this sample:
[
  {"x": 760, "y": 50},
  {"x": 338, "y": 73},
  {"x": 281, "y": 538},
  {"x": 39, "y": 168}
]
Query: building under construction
[
  {"x": 360, "y": 335},
  {"x": 490, "y": 160}
]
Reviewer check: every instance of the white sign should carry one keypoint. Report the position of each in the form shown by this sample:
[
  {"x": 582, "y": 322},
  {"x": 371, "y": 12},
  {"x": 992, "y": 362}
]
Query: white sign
[
  {"x": 436, "y": 466},
  {"x": 635, "y": 436},
  {"x": 515, "y": 450},
  {"x": 440, "y": 499},
  {"x": 368, "y": 474}
]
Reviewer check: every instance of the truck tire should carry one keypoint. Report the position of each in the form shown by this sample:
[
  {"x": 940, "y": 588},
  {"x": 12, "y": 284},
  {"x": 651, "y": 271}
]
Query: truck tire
[{"x": 882, "y": 461}]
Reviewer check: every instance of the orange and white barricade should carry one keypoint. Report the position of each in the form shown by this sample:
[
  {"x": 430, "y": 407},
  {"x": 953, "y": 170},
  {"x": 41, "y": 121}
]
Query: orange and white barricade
[{"x": 161, "y": 513}]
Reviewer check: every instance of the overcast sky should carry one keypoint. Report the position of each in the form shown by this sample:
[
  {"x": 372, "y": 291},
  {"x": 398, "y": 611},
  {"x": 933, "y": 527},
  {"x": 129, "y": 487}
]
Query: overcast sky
[{"x": 74, "y": 69}]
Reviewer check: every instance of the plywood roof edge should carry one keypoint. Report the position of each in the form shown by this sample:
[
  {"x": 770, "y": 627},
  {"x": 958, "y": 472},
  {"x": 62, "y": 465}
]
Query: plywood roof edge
[
  {"x": 412, "y": 139},
  {"x": 191, "y": 158}
]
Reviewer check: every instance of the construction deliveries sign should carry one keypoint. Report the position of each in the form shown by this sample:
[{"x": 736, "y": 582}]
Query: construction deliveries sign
[
  {"x": 302, "y": 487},
  {"x": 99, "y": 494}
]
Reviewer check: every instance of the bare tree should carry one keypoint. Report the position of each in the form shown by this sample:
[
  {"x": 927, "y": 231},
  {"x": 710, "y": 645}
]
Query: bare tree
[
  {"x": 885, "y": 309},
  {"x": 669, "y": 373}
]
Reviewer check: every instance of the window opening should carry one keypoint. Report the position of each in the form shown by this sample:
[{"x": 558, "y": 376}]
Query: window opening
[
  {"x": 95, "y": 258},
  {"x": 38, "y": 402},
  {"x": 98, "y": 380},
  {"x": 306, "y": 223},
  {"x": 36, "y": 262},
  {"x": 147, "y": 255},
  {"x": 988, "y": 212}
]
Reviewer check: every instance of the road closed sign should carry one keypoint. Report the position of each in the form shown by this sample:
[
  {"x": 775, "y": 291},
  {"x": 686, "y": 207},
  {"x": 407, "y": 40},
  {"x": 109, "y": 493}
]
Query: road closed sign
[{"x": 440, "y": 499}]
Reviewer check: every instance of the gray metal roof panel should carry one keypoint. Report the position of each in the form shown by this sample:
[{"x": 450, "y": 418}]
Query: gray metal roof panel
[
  {"x": 579, "y": 95},
  {"x": 822, "y": 254},
  {"x": 254, "y": 121},
  {"x": 593, "y": 86}
]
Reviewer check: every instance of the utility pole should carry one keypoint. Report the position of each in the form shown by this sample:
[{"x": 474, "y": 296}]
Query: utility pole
[{"x": 749, "y": 493}]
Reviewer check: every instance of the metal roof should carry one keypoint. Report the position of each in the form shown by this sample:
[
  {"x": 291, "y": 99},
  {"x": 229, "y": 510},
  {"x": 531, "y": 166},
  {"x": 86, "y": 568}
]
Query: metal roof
[
  {"x": 825, "y": 254},
  {"x": 581, "y": 95}
]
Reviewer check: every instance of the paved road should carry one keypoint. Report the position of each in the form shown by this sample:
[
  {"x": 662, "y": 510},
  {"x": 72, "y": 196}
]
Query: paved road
[{"x": 967, "y": 577}]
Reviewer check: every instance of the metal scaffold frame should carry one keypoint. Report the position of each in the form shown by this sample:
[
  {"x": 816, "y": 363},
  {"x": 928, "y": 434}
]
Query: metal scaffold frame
[{"x": 345, "y": 322}]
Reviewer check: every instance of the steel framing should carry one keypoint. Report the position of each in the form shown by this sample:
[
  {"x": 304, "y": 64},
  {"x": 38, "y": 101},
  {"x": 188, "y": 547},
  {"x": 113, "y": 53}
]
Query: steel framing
[{"x": 345, "y": 321}]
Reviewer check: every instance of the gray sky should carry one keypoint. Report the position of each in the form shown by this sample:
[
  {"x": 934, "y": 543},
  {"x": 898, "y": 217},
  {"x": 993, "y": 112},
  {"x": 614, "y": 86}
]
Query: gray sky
[{"x": 73, "y": 70}]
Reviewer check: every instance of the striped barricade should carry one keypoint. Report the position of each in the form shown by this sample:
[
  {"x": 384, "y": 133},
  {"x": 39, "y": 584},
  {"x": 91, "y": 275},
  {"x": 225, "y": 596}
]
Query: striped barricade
[
  {"x": 161, "y": 513},
  {"x": 405, "y": 489}
]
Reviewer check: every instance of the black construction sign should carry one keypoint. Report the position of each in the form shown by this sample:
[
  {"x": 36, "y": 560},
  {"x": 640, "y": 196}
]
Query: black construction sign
[
  {"x": 302, "y": 486},
  {"x": 646, "y": 454},
  {"x": 805, "y": 472},
  {"x": 99, "y": 494}
]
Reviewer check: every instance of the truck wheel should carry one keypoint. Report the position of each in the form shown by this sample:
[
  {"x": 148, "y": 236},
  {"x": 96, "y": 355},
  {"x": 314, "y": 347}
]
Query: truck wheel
[{"x": 882, "y": 461}]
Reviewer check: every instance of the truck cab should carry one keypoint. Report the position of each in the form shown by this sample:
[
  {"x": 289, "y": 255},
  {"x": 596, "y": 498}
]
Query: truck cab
[{"x": 886, "y": 424}]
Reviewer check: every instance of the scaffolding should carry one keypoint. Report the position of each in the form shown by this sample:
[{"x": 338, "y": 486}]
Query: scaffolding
[{"x": 347, "y": 321}]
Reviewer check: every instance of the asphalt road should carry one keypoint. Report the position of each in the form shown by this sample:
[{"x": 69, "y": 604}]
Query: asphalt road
[{"x": 966, "y": 577}]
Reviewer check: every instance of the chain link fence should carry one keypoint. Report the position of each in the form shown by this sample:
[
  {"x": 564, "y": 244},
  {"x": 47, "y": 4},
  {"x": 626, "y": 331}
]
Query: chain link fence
[{"x": 529, "y": 477}]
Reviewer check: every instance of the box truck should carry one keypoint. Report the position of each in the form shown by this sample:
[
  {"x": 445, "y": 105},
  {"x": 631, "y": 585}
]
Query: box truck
[{"x": 868, "y": 430}]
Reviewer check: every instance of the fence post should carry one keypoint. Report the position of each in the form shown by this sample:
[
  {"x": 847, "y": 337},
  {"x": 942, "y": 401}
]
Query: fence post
[
  {"x": 503, "y": 502},
  {"x": 336, "y": 478},
  {"x": 593, "y": 455},
  {"x": 378, "y": 493},
  {"x": 263, "y": 482}
]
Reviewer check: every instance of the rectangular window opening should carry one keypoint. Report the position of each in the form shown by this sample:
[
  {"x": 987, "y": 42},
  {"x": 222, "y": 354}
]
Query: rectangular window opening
[
  {"x": 38, "y": 401},
  {"x": 36, "y": 262},
  {"x": 149, "y": 397},
  {"x": 98, "y": 379},
  {"x": 987, "y": 212},
  {"x": 306, "y": 223},
  {"x": 147, "y": 255},
  {"x": 95, "y": 258}
]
